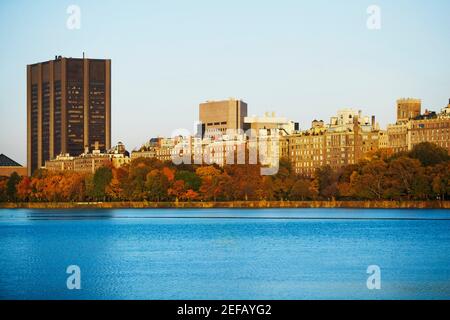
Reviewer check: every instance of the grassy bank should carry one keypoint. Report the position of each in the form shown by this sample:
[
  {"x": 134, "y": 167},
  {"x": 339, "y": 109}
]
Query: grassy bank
[{"x": 234, "y": 204}]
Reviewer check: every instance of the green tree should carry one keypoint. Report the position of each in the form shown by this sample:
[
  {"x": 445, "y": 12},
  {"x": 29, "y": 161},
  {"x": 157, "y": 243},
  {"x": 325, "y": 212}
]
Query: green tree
[
  {"x": 283, "y": 181},
  {"x": 429, "y": 154},
  {"x": 157, "y": 184},
  {"x": 191, "y": 180},
  {"x": 421, "y": 186},
  {"x": 11, "y": 186},
  {"x": 101, "y": 180}
]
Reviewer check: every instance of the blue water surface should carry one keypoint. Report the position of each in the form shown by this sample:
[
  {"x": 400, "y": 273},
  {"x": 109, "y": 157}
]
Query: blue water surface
[{"x": 225, "y": 253}]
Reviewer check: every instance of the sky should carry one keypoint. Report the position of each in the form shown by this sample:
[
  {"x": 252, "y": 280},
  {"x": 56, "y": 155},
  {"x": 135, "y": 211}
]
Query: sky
[{"x": 302, "y": 59}]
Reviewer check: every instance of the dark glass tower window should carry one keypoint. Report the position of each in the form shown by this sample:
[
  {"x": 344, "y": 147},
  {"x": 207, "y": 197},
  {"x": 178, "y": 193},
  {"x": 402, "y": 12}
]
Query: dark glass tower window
[
  {"x": 34, "y": 127},
  {"x": 45, "y": 122},
  {"x": 97, "y": 111},
  {"x": 75, "y": 107},
  {"x": 57, "y": 118}
]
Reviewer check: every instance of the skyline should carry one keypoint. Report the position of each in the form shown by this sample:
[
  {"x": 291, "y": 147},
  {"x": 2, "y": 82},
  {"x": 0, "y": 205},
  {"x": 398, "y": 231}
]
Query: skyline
[{"x": 281, "y": 67}]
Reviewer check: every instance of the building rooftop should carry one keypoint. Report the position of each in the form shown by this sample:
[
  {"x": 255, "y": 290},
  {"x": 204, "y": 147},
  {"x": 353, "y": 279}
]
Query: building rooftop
[{"x": 8, "y": 162}]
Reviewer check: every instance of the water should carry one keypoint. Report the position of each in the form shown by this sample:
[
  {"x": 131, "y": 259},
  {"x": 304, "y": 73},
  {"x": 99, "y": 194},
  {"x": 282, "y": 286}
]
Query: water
[{"x": 225, "y": 253}]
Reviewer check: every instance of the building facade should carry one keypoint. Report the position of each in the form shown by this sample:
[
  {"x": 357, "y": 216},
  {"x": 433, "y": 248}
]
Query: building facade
[
  {"x": 89, "y": 162},
  {"x": 413, "y": 127},
  {"x": 8, "y": 166},
  {"x": 347, "y": 138},
  {"x": 68, "y": 108},
  {"x": 263, "y": 125},
  {"x": 408, "y": 108},
  {"x": 430, "y": 127},
  {"x": 158, "y": 148},
  {"x": 216, "y": 117},
  {"x": 398, "y": 137}
]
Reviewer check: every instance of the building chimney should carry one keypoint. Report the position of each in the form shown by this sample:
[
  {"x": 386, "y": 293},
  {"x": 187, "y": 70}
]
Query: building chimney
[{"x": 373, "y": 121}]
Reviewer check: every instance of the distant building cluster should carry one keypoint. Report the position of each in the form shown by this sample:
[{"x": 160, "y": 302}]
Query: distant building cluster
[
  {"x": 346, "y": 139},
  {"x": 69, "y": 128},
  {"x": 349, "y": 136}
]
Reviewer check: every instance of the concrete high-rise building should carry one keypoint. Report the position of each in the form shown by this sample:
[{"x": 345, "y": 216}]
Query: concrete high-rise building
[
  {"x": 218, "y": 116},
  {"x": 68, "y": 108}
]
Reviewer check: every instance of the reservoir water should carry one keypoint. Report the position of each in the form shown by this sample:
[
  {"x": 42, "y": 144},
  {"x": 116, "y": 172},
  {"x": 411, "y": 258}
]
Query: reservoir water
[{"x": 225, "y": 253}]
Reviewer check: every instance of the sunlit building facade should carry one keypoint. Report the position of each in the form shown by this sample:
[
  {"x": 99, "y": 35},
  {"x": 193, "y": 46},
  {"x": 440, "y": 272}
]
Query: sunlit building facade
[
  {"x": 345, "y": 140},
  {"x": 216, "y": 117},
  {"x": 68, "y": 108},
  {"x": 90, "y": 161}
]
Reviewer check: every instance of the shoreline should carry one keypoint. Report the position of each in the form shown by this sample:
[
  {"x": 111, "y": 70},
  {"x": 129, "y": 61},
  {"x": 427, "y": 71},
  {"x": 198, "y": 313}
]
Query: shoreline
[{"x": 230, "y": 205}]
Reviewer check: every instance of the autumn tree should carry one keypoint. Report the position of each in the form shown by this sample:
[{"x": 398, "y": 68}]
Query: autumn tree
[
  {"x": 301, "y": 190},
  {"x": 440, "y": 180},
  {"x": 134, "y": 187},
  {"x": 400, "y": 176},
  {"x": 371, "y": 183},
  {"x": 157, "y": 185},
  {"x": 245, "y": 181},
  {"x": 190, "y": 195},
  {"x": 3, "y": 182},
  {"x": 325, "y": 182},
  {"x": 210, "y": 182},
  {"x": 24, "y": 190},
  {"x": 177, "y": 190}
]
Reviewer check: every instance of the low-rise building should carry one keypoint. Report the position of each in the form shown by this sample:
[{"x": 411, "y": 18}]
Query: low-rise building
[
  {"x": 90, "y": 162},
  {"x": 158, "y": 148},
  {"x": 8, "y": 166},
  {"x": 62, "y": 162}
]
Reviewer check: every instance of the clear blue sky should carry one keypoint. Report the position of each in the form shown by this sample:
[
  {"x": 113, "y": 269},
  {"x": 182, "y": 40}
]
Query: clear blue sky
[{"x": 302, "y": 59}]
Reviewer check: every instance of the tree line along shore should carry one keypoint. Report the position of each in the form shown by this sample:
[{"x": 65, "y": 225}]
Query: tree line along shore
[
  {"x": 419, "y": 178},
  {"x": 230, "y": 205}
]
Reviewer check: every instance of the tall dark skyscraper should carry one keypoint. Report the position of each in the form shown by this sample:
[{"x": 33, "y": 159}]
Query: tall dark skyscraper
[{"x": 68, "y": 108}]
